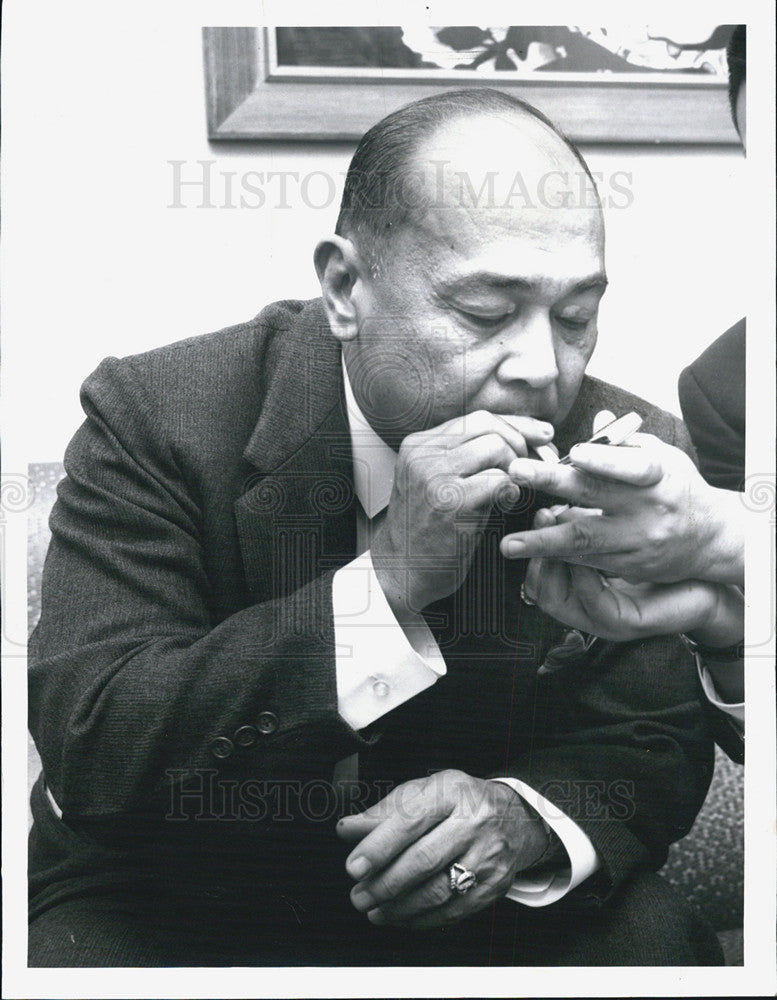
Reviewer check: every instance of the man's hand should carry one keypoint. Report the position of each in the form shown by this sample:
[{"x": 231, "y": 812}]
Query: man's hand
[
  {"x": 409, "y": 840},
  {"x": 446, "y": 481},
  {"x": 658, "y": 520},
  {"x": 582, "y": 598}
]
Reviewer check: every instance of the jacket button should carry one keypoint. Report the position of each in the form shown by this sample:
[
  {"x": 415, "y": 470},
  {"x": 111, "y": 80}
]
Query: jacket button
[
  {"x": 246, "y": 736},
  {"x": 221, "y": 747},
  {"x": 267, "y": 723}
]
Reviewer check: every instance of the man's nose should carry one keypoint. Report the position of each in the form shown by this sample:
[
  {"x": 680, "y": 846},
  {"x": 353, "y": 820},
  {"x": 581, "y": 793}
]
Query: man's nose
[{"x": 528, "y": 353}]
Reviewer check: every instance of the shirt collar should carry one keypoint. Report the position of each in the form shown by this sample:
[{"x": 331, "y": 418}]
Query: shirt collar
[{"x": 374, "y": 461}]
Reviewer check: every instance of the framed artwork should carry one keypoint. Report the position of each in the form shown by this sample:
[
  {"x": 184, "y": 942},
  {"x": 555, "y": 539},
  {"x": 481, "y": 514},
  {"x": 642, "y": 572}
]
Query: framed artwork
[{"x": 637, "y": 84}]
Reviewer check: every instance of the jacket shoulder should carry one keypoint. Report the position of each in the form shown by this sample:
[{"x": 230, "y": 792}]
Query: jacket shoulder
[
  {"x": 206, "y": 389},
  {"x": 723, "y": 359},
  {"x": 716, "y": 380},
  {"x": 203, "y": 362}
]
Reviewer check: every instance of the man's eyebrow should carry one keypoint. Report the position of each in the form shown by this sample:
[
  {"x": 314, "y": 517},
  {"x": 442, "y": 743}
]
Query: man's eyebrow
[
  {"x": 489, "y": 279},
  {"x": 594, "y": 283}
]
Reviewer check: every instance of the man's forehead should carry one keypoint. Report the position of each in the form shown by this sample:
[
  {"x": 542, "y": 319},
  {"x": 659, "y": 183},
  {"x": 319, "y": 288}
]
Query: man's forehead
[
  {"x": 483, "y": 181},
  {"x": 484, "y": 222},
  {"x": 502, "y": 246},
  {"x": 580, "y": 278}
]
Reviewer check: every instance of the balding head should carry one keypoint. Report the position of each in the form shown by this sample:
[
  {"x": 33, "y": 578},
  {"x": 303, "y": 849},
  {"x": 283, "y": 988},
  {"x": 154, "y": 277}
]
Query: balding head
[{"x": 477, "y": 149}]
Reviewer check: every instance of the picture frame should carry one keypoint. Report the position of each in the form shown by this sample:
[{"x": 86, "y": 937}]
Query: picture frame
[{"x": 249, "y": 97}]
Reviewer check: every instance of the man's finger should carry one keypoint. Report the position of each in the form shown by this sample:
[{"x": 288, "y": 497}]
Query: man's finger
[
  {"x": 532, "y": 579},
  {"x": 571, "y": 484},
  {"x": 357, "y": 825},
  {"x": 434, "y": 904},
  {"x": 564, "y": 514},
  {"x": 472, "y": 494},
  {"x": 427, "y": 857},
  {"x": 354, "y": 828},
  {"x": 531, "y": 430},
  {"x": 489, "y": 451},
  {"x": 619, "y": 563},
  {"x": 546, "y": 518},
  {"x": 580, "y": 537},
  {"x": 635, "y": 466},
  {"x": 592, "y": 589},
  {"x": 581, "y": 598},
  {"x": 413, "y": 814},
  {"x": 517, "y": 431},
  {"x": 485, "y": 488},
  {"x": 633, "y": 610},
  {"x": 423, "y": 901}
]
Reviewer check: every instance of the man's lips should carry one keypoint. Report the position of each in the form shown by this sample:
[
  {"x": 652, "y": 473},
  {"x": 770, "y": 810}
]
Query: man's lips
[{"x": 541, "y": 413}]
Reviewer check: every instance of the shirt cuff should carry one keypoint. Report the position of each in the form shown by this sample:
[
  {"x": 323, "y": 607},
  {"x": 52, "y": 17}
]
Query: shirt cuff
[
  {"x": 380, "y": 664},
  {"x": 736, "y": 711},
  {"x": 583, "y": 859}
]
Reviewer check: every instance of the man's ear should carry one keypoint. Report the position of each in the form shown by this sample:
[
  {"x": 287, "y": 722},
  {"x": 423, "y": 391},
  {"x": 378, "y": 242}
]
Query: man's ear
[{"x": 338, "y": 268}]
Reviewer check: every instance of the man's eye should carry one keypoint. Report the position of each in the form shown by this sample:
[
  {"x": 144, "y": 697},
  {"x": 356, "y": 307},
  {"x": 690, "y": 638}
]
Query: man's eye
[
  {"x": 485, "y": 321},
  {"x": 574, "y": 322}
]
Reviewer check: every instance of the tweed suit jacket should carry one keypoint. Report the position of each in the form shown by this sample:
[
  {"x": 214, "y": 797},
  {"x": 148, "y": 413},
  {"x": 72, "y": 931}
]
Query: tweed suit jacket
[{"x": 183, "y": 670}]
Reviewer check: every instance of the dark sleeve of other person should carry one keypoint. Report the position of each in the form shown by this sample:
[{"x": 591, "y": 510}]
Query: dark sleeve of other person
[{"x": 712, "y": 398}]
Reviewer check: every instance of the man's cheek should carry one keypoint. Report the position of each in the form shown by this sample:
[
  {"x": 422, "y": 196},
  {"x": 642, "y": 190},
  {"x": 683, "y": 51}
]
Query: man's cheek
[
  {"x": 573, "y": 360},
  {"x": 580, "y": 351},
  {"x": 457, "y": 377},
  {"x": 568, "y": 386}
]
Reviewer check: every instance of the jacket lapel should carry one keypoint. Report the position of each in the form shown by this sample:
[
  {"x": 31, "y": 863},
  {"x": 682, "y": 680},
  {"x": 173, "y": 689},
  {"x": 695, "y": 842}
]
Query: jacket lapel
[{"x": 297, "y": 516}]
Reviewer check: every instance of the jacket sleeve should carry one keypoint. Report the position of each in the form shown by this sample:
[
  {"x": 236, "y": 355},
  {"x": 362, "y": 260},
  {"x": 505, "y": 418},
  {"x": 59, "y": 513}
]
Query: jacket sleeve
[
  {"x": 132, "y": 677},
  {"x": 621, "y": 746},
  {"x": 716, "y": 427},
  {"x": 712, "y": 399}
]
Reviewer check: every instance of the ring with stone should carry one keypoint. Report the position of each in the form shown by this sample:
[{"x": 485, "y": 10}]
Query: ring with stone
[{"x": 461, "y": 879}]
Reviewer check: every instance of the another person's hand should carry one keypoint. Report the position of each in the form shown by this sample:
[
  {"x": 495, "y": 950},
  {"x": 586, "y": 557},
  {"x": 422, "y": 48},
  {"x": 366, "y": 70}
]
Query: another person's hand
[
  {"x": 408, "y": 841},
  {"x": 446, "y": 481},
  {"x": 658, "y": 520},
  {"x": 610, "y": 607}
]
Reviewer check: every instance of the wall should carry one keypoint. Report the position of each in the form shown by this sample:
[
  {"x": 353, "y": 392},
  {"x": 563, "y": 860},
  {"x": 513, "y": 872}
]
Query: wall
[{"x": 97, "y": 263}]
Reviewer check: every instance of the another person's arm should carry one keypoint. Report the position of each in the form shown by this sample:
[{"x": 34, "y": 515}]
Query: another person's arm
[
  {"x": 647, "y": 515},
  {"x": 657, "y": 519}
]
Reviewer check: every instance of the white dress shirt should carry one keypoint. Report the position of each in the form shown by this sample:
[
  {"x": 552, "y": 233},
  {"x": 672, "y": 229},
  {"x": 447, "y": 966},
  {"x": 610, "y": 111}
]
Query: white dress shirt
[{"x": 380, "y": 664}]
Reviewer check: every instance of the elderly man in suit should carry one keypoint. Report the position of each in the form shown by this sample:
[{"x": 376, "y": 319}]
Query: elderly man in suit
[{"x": 290, "y": 705}]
